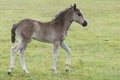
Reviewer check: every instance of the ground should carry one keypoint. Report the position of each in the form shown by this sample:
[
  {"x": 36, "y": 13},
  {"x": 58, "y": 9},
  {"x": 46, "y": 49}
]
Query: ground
[{"x": 95, "y": 50}]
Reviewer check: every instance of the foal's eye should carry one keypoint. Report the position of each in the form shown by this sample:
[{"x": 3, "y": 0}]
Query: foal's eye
[{"x": 79, "y": 14}]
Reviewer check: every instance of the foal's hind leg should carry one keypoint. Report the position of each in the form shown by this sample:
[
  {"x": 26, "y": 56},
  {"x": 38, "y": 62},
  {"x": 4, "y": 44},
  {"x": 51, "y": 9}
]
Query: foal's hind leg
[
  {"x": 22, "y": 51},
  {"x": 67, "y": 49},
  {"x": 13, "y": 52},
  {"x": 20, "y": 46},
  {"x": 55, "y": 52}
]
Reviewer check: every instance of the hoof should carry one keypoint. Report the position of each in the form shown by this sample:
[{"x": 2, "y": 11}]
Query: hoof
[
  {"x": 66, "y": 70},
  {"x": 9, "y": 73},
  {"x": 26, "y": 71},
  {"x": 67, "y": 67},
  {"x": 54, "y": 71}
]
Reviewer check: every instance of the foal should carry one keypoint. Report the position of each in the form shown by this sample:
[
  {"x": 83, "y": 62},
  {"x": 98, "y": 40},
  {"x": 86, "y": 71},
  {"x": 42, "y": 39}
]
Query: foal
[{"x": 53, "y": 32}]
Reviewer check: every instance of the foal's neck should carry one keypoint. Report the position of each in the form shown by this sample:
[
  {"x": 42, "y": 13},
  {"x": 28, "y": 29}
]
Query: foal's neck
[{"x": 67, "y": 22}]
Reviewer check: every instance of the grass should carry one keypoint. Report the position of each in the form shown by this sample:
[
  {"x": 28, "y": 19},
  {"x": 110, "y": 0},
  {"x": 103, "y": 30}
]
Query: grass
[{"x": 95, "y": 50}]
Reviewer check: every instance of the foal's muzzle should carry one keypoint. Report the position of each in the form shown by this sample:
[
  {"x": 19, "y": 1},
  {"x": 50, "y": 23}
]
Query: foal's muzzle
[{"x": 84, "y": 23}]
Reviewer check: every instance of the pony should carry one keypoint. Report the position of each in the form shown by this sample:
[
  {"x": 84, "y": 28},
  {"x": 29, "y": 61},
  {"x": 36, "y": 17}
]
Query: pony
[{"x": 54, "y": 31}]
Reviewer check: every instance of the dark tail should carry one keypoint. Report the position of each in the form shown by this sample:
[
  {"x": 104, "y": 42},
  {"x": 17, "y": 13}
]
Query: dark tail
[{"x": 13, "y": 33}]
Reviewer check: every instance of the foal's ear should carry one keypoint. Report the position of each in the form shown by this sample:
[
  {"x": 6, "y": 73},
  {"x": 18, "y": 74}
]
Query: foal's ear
[{"x": 74, "y": 6}]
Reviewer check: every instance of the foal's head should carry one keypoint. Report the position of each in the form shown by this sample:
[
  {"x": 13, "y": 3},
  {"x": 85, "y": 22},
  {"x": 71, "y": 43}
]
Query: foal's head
[{"x": 77, "y": 16}]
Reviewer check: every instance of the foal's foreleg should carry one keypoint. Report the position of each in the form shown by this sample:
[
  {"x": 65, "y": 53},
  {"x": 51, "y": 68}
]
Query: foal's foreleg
[
  {"x": 55, "y": 51},
  {"x": 67, "y": 49},
  {"x": 22, "y": 51},
  {"x": 13, "y": 52}
]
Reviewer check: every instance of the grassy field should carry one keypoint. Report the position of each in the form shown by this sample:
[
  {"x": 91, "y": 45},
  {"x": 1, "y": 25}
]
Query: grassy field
[{"x": 95, "y": 50}]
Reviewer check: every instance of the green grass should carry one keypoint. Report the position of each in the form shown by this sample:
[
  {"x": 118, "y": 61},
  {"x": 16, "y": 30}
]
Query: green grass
[{"x": 95, "y": 50}]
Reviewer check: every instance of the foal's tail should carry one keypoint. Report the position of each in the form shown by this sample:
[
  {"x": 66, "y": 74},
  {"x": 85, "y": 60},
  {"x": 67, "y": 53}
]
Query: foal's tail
[{"x": 13, "y": 33}]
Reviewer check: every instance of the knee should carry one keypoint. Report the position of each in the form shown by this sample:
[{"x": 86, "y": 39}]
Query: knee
[
  {"x": 68, "y": 51},
  {"x": 13, "y": 49}
]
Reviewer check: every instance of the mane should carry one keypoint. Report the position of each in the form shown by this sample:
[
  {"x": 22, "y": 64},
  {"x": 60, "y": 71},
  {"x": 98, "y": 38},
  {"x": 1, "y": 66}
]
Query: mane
[{"x": 60, "y": 15}]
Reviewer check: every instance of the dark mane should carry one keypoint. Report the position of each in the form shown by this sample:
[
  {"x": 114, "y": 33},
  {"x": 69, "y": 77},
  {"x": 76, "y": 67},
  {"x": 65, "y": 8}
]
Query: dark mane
[{"x": 60, "y": 15}]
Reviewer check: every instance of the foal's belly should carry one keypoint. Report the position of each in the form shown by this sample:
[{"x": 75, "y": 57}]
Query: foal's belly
[{"x": 43, "y": 38}]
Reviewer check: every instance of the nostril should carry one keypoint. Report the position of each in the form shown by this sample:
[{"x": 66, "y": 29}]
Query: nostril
[{"x": 85, "y": 23}]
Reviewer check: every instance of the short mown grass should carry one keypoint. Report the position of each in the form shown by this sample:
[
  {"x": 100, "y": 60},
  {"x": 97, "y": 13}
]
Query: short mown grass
[{"x": 95, "y": 50}]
